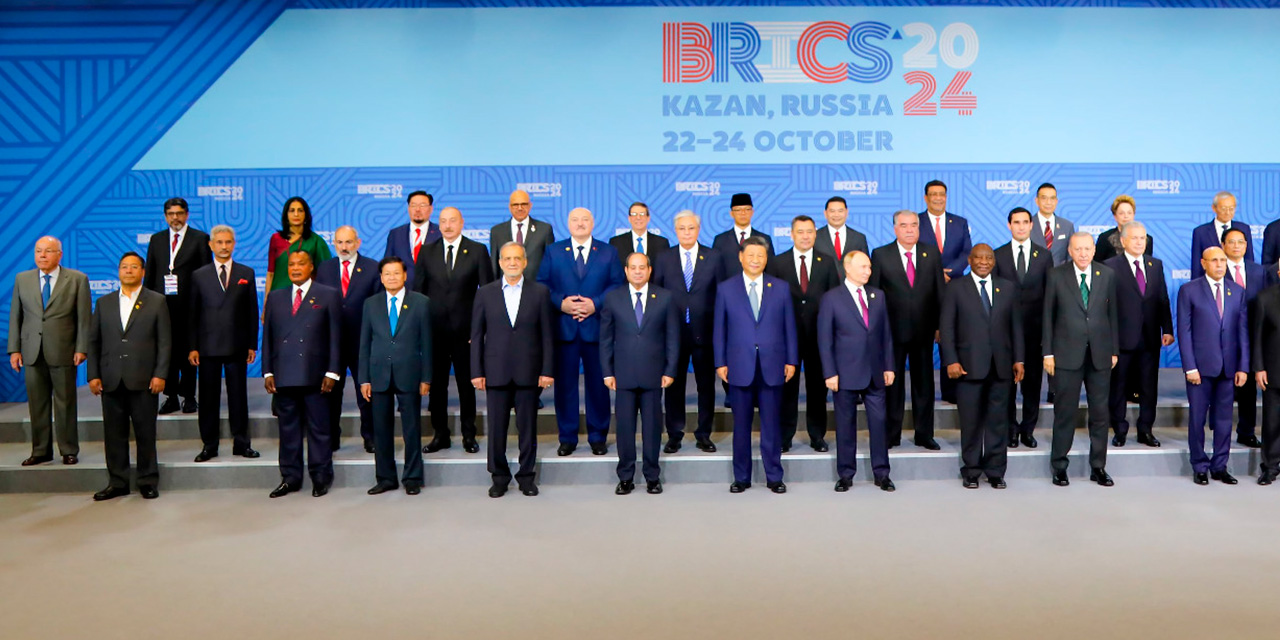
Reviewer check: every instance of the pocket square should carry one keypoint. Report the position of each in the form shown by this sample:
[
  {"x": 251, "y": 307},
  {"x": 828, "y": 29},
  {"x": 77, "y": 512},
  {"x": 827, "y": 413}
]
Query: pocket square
[
  {"x": 242, "y": 281},
  {"x": 315, "y": 306}
]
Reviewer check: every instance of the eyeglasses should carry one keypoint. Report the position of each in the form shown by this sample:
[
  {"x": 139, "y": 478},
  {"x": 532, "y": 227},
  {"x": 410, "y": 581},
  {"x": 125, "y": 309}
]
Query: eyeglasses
[
  {"x": 638, "y": 215},
  {"x": 519, "y": 204},
  {"x": 740, "y": 209}
]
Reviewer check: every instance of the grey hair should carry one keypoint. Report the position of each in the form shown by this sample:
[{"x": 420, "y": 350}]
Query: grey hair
[
  {"x": 687, "y": 213},
  {"x": 901, "y": 212},
  {"x": 512, "y": 243},
  {"x": 1132, "y": 224},
  {"x": 1080, "y": 234},
  {"x": 1220, "y": 195},
  {"x": 222, "y": 228}
]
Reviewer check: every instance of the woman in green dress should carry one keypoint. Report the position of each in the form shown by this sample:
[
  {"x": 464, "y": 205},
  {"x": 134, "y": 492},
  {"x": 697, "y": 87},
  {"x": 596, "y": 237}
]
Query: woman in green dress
[{"x": 295, "y": 234}]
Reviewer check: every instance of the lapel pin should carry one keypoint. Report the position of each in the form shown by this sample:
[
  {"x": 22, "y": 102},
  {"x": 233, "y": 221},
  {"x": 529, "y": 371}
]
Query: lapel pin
[
  {"x": 699, "y": 257},
  {"x": 1097, "y": 273},
  {"x": 464, "y": 250},
  {"x": 1035, "y": 254},
  {"x": 566, "y": 248},
  {"x": 817, "y": 258},
  {"x": 997, "y": 289},
  {"x": 924, "y": 255},
  {"x": 873, "y": 296},
  {"x": 405, "y": 307},
  {"x": 313, "y": 301},
  {"x": 768, "y": 284},
  {"x": 653, "y": 295},
  {"x": 137, "y": 306},
  {"x": 358, "y": 269}
]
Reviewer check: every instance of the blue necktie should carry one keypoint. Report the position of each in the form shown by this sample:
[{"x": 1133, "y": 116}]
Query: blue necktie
[
  {"x": 755, "y": 302},
  {"x": 45, "y": 291},
  {"x": 688, "y": 279},
  {"x": 580, "y": 264},
  {"x": 986, "y": 299},
  {"x": 394, "y": 315},
  {"x": 640, "y": 244},
  {"x": 639, "y": 309}
]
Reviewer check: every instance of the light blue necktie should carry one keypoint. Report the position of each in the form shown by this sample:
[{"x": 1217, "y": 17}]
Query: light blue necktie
[
  {"x": 394, "y": 315},
  {"x": 688, "y": 279},
  {"x": 45, "y": 291},
  {"x": 639, "y": 309},
  {"x": 755, "y": 302},
  {"x": 640, "y": 244}
]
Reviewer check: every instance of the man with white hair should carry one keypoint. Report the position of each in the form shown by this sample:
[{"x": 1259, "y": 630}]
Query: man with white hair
[{"x": 1210, "y": 234}]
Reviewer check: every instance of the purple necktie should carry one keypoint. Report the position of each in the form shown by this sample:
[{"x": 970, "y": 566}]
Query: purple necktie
[
  {"x": 1217, "y": 298},
  {"x": 1239, "y": 276},
  {"x": 911, "y": 270},
  {"x": 1142, "y": 279},
  {"x": 866, "y": 317}
]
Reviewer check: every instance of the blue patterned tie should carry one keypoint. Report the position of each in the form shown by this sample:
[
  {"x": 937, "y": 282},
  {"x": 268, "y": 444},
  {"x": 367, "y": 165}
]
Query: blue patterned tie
[
  {"x": 45, "y": 291},
  {"x": 394, "y": 315},
  {"x": 755, "y": 302},
  {"x": 688, "y": 279},
  {"x": 580, "y": 264},
  {"x": 639, "y": 309}
]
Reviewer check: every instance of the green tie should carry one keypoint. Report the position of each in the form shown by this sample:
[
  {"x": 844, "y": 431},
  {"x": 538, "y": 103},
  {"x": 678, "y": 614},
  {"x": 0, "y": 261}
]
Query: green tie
[{"x": 1084, "y": 289}]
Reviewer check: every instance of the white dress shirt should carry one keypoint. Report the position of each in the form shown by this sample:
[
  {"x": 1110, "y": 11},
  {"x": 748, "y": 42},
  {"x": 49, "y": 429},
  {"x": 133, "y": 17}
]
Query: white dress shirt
[
  {"x": 738, "y": 231},
  {"x": 644, "y": 296},
  {"x": 182, "y": 237},
  {"x": 915, "y": 255},
  {"x": 1220, "y": 228},
  {"x": 939, "y": 223},
  {"x": 692, "y": 254},
  {"x": 53, "y": 279},
  {"x": 586, "y": 249},
  {"x": 445, "y": 252},
  {"x": 1053, "y": 226},
  {"x": 293, "y": 295},
  {"x": 527, "y": 226},
  {"x": 1240, "y": 277},
  {"x": 1088, "y": 277},
  {"x": 217, "y": 272},
  {"x": 977, "y": 285},
  {"x": 644, "y": 236},
  {"x": 853, "y": 291},
  {"x": 399, "y": 296},
  {"x": 422, "y": 237},
  {"x": 808, "y": 258},
  {"x": 1130, "y": 259},
  {"x": 746, "y": 280},
  {"x": 1026, "y": 247},
  {"x": 126, "y": 305},
  {"x": 511, "y": 296}
]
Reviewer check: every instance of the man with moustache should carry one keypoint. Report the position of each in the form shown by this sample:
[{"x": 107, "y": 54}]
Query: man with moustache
[
  {"x": 837, "y": 238},
  {"x": 172, "y": 256},
  {"x": 1027, "y": 266},
  {"x": 525, "y": 230},
  {"x": 638, "y": 239},
  {"x": 407, "y": 240}
]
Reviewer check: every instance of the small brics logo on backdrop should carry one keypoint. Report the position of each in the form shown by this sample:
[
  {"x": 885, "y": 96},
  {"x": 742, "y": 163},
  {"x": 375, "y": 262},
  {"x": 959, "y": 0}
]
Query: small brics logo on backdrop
[
  {"x": 379, "y": 191},
  {"x": 221, "y": 193}
]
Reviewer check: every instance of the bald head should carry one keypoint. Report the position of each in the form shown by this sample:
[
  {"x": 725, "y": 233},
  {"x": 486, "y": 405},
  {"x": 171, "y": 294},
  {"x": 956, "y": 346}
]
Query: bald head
[
  {"x": 519, "y": 204},
  {"x": 48, "y": 253},
  {"x": 581, "y": 224}
]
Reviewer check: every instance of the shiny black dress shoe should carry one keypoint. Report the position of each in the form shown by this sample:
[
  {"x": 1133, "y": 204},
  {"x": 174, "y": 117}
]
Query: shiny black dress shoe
[
  {"x": 368, "y": 447},
  {"x": 283, "y": 490},
  {"x": 844, "y": 484},
  {"x": 928, "y": 443},
  {"x": 819, "y": 445},
  {"x": 148, "y": 492},
  {"x": 35, "y": 460},
  {"x": 171, "y": 405},
  {"x": 109, "y": 493},
  {"x": 190, "y": 405},
  {"x": 625, "y": 487},
  {"x": 436, "y": 445},
  {"x": 1224, "y": 477},
  {"x": 1060, "y": 478},
  {"x": 705, "y": 444},
  {"x": 206, "y": 455},
  {"x": 470, "y": 445},
  {"x": 672, "y": 446},
  {"x": 531, "y": 490},
  {"x": 599, "y": 448},
  {"x": 786, "y": 447},
  {"x": 1148, "y": 439},
  {"x": 1013, "y": 441},
  {"x": 885, "y": 484},
  {"x": 318, "y": 490},
  {"x": 997, "y": 483},
  {"x": 71, "y": 459},
  {"x": 248, "y": 452},
  {"x": 1266, "y": 478},
  {"x": 381, "y": 488},
  {"x": 778, "y": 487},
  {"x": 497, "y": 491},
  {"x": 1101, "y": 477},
  {"x": 654, "y": 487},
  {"x": 1028, "y": 441},
  {"x": 739, "y": 487},
  {"x": 412, "y": 488},
  {"x": 1250, "y": 441},
  {"x": 971, "y": 483},
  {"x": 1200, "y": 478},
  {"x": 1118, "y": 440},
  {"x": 565, "y": 449}
]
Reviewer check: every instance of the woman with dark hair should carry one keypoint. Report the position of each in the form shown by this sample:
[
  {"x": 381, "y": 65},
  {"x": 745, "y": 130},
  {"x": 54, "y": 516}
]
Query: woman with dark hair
[{"x": 295, "y": 234}]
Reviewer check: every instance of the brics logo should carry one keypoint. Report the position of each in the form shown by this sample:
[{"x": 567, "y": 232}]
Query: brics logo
[
  {"x": 220, "y": 192},
  {"x": 857, "y": 187},
  {"x": 699, "y": 188},
  {"x": 694, "y": 52},
  {"x": 540, "y": 189},
  {"x": 380, "y": 190}
]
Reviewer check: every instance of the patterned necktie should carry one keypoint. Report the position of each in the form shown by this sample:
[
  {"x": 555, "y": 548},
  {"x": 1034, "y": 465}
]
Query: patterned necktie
[
  {"x": 448, "y": 261},
  {"x": 1084, "y": 289},
  {"x": 1048, "y": 235},
  {"x": 520, "y": 233},
  {"x": 1022, "y": 263},
  {"x": 346, "y": 277},
  {"x": 1142, "y": 278},
  {"x": 986, "y": 299},
  {"x": 862, "y": 302},
  {"x": 804, "y": 276},
  {"x": 581, "y": 263},
  {"x": 223, "y": 278},
  {"x": 394, "y": 315},
  {"x": 911, "y": 270},
  {"x": 46, "y": 291},
  {"x": 1217, "y": 298},
  {"x": 836, "y": 245},
  {"x": 640, "y": 244},
  {"x": 297, "y": 300},
  {"x": 755, "y": 302},
  {"x": 688, "y": 279},
  {"x": 417, "y": 243},
  {"x": 1239, "y": 276},
  {"x": 639, "y": 309},
  {"x": 742, "y": 237}
]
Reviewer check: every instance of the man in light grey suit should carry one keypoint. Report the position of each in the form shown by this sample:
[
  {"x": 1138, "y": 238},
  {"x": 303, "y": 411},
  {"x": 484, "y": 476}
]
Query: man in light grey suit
[
  {"x": 1051, "y": 231},
  {"x": 533, "y": 234},
  {"x": 130, "y": 341},
  {"x": 49, "y": 335}
]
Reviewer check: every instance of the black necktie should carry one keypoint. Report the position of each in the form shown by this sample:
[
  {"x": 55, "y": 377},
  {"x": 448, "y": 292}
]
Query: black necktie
[
  {"x": 448, "y": 261},
  {"x": 224, "y": 277},
  {"x": 1022, "y": 263}
]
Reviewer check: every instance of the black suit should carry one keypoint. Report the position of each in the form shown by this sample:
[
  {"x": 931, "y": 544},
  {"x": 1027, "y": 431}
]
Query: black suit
[
  {"x": 365, "y": 281},
  {"x": 511, "y": 358},
  {"x": 1082, "y": 341},
  {"x": 1143, "y": 319},
  {"x": 696, "y": 304},
  {"x": 823, "y": 277},
  {"x": 850, "y": 240},
  {"x": 223, "y": 328},
  {"x": 985, "y": 338},
  {"x": 193, "y": 253},
  {"x": 625, "y": 243},
  {"x": 913, "y": 315},
  {"x": 728, "y": 243},
  {"x": 1105, "y": 248},
  {"x": 1265, "y": 342},
  {"x": 125, "y": 359},
  {"x": 538, "y": 235},
  {"x": 452, "y": 291},
  {"x": 1029, "y": 286}
]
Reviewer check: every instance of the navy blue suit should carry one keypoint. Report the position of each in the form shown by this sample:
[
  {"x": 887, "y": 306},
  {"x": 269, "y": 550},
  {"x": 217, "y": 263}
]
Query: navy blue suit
[
  {"x": 1255, "y": 280},
  {"x": 955, "y": 255},
  {"x": 365, "y": 282},
  {"x": 223, "y": 327},
  {"x": 695, "y": 303},
  {"x": 395, "y": 363},
  {"x": 1270, "y": 243},
  {"x": 859, "y": 353},
  {"x": 1143, "y": 320},
  {"x": 398, "y": 245},
  {"x": 637, "y": 356},
  {"x": 1206, "y": 235},
  {"x": 579, "y": 342},
  {"x": 756, "y": 353},
  {"x": 727, "y": 244},
  {"x": 1216, "y": 347},
  {"x": 298, "y": 350}
]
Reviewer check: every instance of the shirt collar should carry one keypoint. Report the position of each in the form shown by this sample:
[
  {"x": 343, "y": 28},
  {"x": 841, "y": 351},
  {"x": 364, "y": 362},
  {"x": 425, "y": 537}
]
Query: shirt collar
[
  {"x": 304, "y": 287},
  {"x": 1128, "y": 257},
  {"x": 903, "y": 250},
  {"x": 399, "y": 295},
  {"x": 424, "y": 226},
  {"x": 976, "y": 280},
  {"x": 853, "y": 289},
  {"x": 354, "y": 257},
  {"x": 1231, "y": 266},
  {"x": 807, "y": 254},
  {"x": 218, "y": 265},
  {"x": 1211, "y": 281},
  {"x": 738, "y": 231},
  {"x": 455, "y": 243},
  {"x": 183, "y": 231},
  {"x": 519, "y": 283},
  {"x": 643, "y": 290},
  {"x": 586, "y": 247},
  {"x": 1080, "y": 273},
  {"x": 748, "y": 280},
  {"x": 56, "y": 270},
  {"x": 136, "y": 292}
]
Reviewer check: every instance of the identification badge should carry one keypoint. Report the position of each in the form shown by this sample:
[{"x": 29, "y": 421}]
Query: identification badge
[{"x": 171, "y": 285}]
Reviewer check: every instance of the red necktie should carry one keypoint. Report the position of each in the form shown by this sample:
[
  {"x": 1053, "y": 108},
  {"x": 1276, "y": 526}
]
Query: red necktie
[
  {"x": 297, "y": 300},
  {"x": 839, "y": 256},
  {"x": 804, "y": 276},
  {"x": 346, "y": 276},
  {"x": 1239, "y": 276},
  {"x": 937, "y": 232},
  {"x": 1048, "y": 236},
  {"x": 417, "y": 234},
  {"x": 175, "y": 242}
]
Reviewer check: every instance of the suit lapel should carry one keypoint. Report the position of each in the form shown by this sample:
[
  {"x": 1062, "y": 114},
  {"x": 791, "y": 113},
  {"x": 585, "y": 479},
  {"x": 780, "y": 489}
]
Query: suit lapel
[
  {"x": 58, "y": 287},
  {"x": 525, "y": 303},
  {"x": 137, "y": 310}
]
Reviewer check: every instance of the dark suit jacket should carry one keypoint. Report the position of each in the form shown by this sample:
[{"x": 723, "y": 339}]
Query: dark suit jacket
[
  {"x": 727, "y": 245},
  {"x": 852, "y": 240},
  {"x": 398, "y": 245},
  {"x": 365, "y": 281},
  {"x": 129, "y": 356},
  {"x": 403, "y": 357},
  {"x": 977, "y": 340},
  {"x": 738, "y": 339},
  {"x": 1211, "y": 345},
  {"x": 193, "y": 254},
  {"x": 559, "y": 274},
  {"x": 1105, "y": 248},
  {"x": 638, "y": 356},
  {"x": 1264, "y": 334},
  {"x": 913, "y": 310},
  {"x": 506, "y": 354},
  {"x": 625, "y": 245},
  {"x": 299, "y": 349},
  {"x": 700, "y": 299},
  {"x": 59, "y": 330},
  {"x": 858, "y": 353},
  {"x": 1062, "y": 230},
  {"x": 955, "y": 256},
  {"x": 1271, "y": 243},
  {"x": 1143, "y": 319},
  {"x": 1069, "y": 328},
  {"x": 453, "y": 294},
  {"x": 822, "y": 278},
  {"x": 1206, "y": 235},
  {"x": 1031, "y": 288},
  {"x": 537, "y": 236},
  {"x": 224, "y": 323}
]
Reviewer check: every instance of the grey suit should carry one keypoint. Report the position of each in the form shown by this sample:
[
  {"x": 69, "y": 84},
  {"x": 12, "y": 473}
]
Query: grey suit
[
  {"x": 125, "y": 359},
  {"x": 855, "y": 241},
  {"x": 48, "y": 338},
  {"x": 1062, "y": 230},
  {"x": 538, "y": 235}
]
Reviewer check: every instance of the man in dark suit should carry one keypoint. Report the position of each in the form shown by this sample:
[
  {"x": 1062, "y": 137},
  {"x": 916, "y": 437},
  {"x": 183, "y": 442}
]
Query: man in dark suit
[
  {"x": 1214, "y": 341},
  {"x": 223, "y": 334},
  {"x": 396, "y": 368},
  {"x": 1027, "y": 266},
  {"x": 1210, "y": 234},
  {"x": 525, "y": 230},
  {"x": 691, "y": 272},
  {"x": 172, "y": 256},
  {"x": 1264, "y": 342},
  {"x": 836, "y": 238},
  {"x": 49, "y": 336},
  {"x": 1253, "y": 278},
  {"x": 638, "y": 239},
  {"x": 407, "y": 240},
  {"x": 754, "y": 340},
  {"x": 1146, "y": 325},
  {"x": 728, "y": 242},
  {"x": 910, "y": 274},
  {"x": 512, "y": 357},
  {"x": 579, "y": 272},
  {"x": 982, "y": 350},
  {"x": 855, "y": 343},
  {"x": 639, "y": 345},
  {"x": 1109, "y": 244},
  {"x": 356, "y": 278},
  {"x": 810, "y": 274},
  {"x": 1271, "y": 247},
  {"x": 129, "y": 348},
  {"x": 449, "y": 273},
  {"x": 300, "y": 355},
  {"x": 1081, "y": 346},
  {"x": 1050, "y": 230}
]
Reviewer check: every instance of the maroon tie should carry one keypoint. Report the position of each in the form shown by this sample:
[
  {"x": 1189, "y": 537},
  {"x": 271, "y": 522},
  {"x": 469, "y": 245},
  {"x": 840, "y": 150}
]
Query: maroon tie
[
  {"x": 297, "y": 300},
  {"x": 1048, "y": 236},
  {"x": 520, "y": 233},
  {"x": 743, "y": 238},
  {"x": 804, "y": 276},
  {"x": 911, "y": 270},
  {"x": 862, "y": 302}
]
